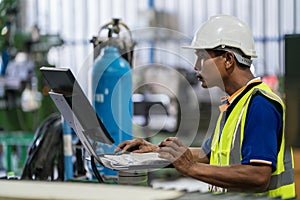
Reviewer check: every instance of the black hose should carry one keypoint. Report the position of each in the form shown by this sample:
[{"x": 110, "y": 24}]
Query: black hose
[{"x": 95, "y": 170}]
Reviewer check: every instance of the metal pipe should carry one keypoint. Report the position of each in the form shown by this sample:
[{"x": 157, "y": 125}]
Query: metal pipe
[
  {"x": 151, "y": 4},
  {"x": 280, "y": 67},
  {"x": 152, "y": 43},
  {"x": 250, "y": 6},
  {"x": 85, "y": 24},
  {"x": 234, "y": 7},
  {"x": 36, "y": 12},
  {"x": 295, "y": 17},
  {"x": 60, "y": 22},
  {"x": 264, "y": 35},
  {"x": 47, "y": 18}
]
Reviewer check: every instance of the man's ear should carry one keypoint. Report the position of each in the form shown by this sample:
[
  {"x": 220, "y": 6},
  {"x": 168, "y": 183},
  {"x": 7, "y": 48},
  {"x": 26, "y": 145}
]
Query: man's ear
[{"x": 229, "y": 60}]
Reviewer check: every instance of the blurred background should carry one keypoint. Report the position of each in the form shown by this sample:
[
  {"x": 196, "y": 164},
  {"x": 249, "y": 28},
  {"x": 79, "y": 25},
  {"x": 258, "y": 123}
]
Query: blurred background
[{"x": 58, "y": 33}]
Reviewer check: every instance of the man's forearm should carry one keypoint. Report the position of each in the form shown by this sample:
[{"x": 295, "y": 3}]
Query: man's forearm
[{"x": 237, "y": 177}]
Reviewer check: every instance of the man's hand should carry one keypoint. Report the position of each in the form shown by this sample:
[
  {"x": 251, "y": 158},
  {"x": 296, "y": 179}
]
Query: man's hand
[
  {"x": 137, "y": 145},
  {"x": 176, "y": 151}
]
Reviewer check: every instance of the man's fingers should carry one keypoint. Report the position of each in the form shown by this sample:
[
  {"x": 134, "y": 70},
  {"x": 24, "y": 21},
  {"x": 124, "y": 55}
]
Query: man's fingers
[
  {"x": 141, "y": 151},
  {"x": 128, "y": 146},
  {"x": 132, "y": 145},
  {"x": 176, "y": 140},
  {"x": 169, "y": 143},
  {"x": 121, "y": 146},
  {"x": 170, "y": 138},
  {"x": 124, "y": 146},
  {"x": 169, "y": 150},
  {"x": 166, "y": 155}
]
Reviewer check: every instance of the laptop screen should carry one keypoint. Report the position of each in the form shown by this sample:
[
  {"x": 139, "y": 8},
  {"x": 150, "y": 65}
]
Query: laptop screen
[{"x": 83, "y": 119}]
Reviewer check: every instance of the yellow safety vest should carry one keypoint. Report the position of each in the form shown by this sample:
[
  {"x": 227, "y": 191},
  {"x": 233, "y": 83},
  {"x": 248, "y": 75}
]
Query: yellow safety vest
[{"x": 226, "y": 147}]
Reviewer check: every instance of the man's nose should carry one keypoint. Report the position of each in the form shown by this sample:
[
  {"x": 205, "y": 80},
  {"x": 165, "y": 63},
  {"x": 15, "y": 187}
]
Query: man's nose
[{"x": 197, "y": 65}]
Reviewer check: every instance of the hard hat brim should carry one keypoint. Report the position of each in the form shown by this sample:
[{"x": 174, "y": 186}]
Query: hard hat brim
[
  {"x": 197, "y": 48},
  {"x": 190, "y": 47}
]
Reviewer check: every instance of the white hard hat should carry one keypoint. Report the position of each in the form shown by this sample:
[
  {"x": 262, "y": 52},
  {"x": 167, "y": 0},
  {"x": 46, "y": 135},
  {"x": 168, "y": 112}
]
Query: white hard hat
[{"x": 224, "y": 31}]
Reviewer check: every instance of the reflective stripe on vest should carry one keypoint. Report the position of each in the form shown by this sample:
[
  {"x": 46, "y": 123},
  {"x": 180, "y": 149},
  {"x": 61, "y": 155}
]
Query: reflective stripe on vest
[{"x": 282, "y": 180}]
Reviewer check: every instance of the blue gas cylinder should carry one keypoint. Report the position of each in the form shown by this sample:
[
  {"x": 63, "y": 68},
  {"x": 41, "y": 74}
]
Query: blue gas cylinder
[{"x": 111, "y": 98}]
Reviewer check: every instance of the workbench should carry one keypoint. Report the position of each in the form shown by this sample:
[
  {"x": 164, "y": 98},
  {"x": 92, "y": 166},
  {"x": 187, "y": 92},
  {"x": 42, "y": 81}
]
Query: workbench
[{"x": 37, "y": 190}]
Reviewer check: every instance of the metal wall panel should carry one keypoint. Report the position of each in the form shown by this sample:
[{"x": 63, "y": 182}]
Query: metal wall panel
[
  {"x": 227, "y": 7},
  {"x": 77, "y": 21},
  {"x": 297, "y": 16}
]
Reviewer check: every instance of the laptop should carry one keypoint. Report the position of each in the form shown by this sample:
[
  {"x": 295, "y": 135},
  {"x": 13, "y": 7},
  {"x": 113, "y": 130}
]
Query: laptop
[{"x": 76, "y": 109}]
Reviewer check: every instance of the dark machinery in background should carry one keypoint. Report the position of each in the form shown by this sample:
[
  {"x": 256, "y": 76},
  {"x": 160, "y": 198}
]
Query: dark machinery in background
[
  {"x": 292, "y": 89},
  {"x": 45, "y": 155},
  {"x": 22, "y": 106}
]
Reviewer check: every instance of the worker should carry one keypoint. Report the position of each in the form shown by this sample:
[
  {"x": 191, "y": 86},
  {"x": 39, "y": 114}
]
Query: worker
[{"x": 247, "y": 151}]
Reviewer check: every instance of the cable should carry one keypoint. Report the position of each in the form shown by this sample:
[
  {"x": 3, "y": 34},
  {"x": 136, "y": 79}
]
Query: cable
[{"x": 95, "y": 170}]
